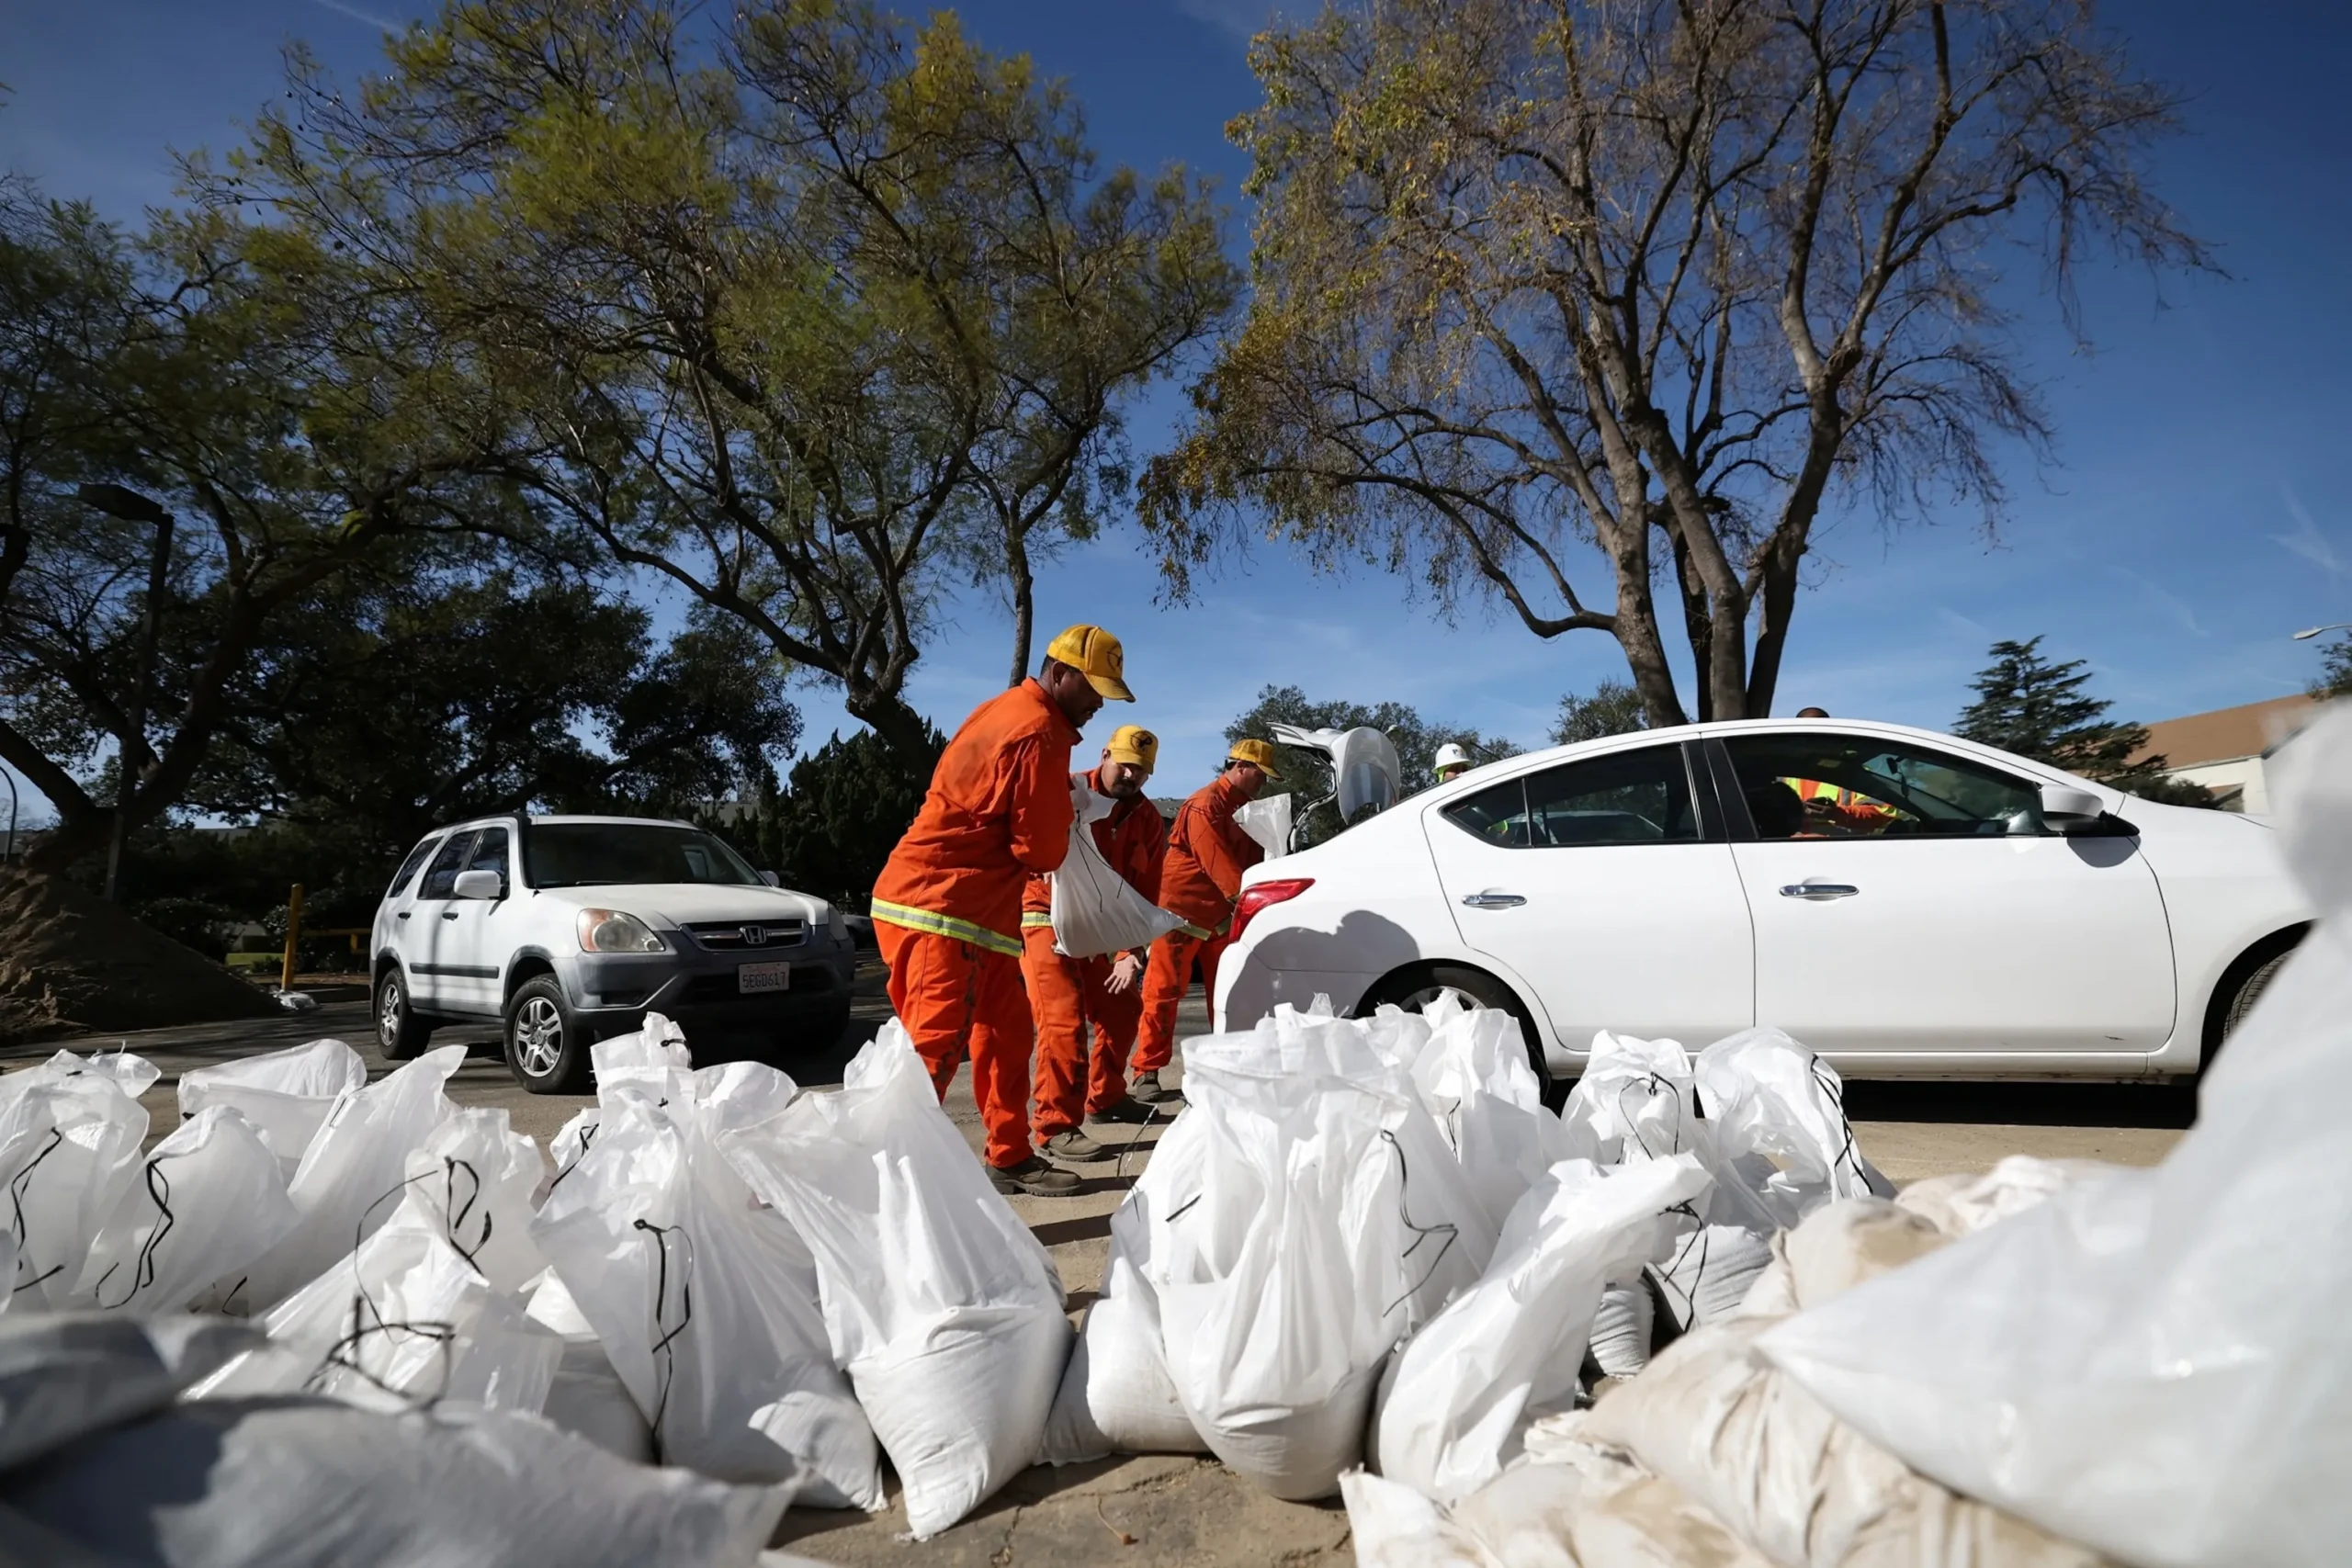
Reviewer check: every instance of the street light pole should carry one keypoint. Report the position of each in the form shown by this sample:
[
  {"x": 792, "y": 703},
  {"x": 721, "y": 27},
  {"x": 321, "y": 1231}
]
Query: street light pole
[{"x": 2310, "y": 632}]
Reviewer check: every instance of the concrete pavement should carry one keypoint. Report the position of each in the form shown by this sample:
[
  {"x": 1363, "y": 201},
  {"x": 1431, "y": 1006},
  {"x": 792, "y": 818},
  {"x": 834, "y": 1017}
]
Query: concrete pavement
[{"x": 1149, "y": 1511}]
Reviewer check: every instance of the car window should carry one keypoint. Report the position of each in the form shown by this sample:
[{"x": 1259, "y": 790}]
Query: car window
[
  {"x": 408, "y": 867},
  {"x": 1627, "y": 797},
  {"x": 490, "y": 853},
  {"x": 593, "y": 854},
  {"x": 1802, "y": 785},
  {"x": 441, "y": 876}
]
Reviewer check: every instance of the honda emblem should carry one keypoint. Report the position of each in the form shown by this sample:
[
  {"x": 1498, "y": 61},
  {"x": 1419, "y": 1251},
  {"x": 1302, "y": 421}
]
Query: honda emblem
[{"x": 755, "y": 936}]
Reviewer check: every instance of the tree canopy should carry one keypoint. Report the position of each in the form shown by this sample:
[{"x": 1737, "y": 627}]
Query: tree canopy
[
  {"x": 1308, "y": 775},
  {"x": 1538, "y": 281},
  {"x": 809, "y": 314},
  {"x": 1612, "y": 708},
  {"x": 2027, "y": 704}
]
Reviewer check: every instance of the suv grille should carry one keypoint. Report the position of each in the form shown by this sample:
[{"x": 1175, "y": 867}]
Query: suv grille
[{"x": 737, "y": 936}]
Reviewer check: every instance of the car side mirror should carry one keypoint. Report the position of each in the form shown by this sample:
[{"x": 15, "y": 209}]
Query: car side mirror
[
  {"x": 771, "y": 879},
  {"x": 480, "y": 884},
  {"x": 2067, "y": 809}
]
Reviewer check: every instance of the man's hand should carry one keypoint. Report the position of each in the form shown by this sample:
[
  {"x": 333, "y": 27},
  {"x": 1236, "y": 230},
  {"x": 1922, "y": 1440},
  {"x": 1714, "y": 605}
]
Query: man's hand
[{"x": 1125, "y": 969}]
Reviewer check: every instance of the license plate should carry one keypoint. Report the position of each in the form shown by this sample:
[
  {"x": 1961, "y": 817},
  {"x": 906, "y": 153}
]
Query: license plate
[{"x": 751, "y": 977}]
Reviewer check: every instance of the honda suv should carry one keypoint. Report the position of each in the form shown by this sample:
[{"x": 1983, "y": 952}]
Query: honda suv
[{"x": 569, "y": 929}]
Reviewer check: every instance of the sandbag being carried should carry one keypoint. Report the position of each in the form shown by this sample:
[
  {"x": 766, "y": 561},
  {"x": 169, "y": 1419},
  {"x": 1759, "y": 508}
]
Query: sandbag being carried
[
  {"x": 1268, "y": 822},
  {"x": 353, "y": 1175},
  {"x": 704, "y": 1299},
  {"x": 943, "y": 1306},
  {"x": 2155, "y": 1362},
  {"x": 1462, "y": 1390},
  {"x": 207, "y": 1199},
  {"x": 1096, "y": 910},
  {"x": 306, "y": 1484},
  {"x": 285, "y": 1094}
]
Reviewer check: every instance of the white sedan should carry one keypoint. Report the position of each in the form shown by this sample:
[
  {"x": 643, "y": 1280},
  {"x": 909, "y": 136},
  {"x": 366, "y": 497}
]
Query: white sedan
[{"x": 1904, "y": 902}]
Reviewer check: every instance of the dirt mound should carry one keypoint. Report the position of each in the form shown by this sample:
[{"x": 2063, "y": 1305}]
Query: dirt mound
[{"x": 70, "y": 961}]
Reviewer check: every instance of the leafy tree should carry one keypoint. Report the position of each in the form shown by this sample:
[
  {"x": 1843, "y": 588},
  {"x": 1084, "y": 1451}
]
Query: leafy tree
[
  {"x": 1308, "y": 775},
  {"x": 849, "y": 802},
  {"x": 1538, "y": 279},
  {"x": 2027, "y": 705},
  {"x": 2335, "y": 673},
  {"x": 190, "y": 449},
  {"x": 1611, "y": 708},
  {"x": 812, "y": 316}
]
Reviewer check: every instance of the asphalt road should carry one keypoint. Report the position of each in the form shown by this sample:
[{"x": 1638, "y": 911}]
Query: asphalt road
[{"x": 1164, "y": 1509}]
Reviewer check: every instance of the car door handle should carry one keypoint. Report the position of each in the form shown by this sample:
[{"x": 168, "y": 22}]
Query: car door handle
[
  {"x": 1493, "y": 900},
  {"x": 401, "y": 916},
  {"x": 449, "y": 914},
  {"x": 1819, "y": 892}
]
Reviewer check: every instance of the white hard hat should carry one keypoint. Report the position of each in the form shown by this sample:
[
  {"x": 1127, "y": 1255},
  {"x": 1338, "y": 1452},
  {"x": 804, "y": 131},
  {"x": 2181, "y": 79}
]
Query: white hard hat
[{"x": 1451, "y": 755}]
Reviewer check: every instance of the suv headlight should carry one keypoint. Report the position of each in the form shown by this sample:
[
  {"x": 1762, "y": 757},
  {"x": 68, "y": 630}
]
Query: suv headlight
[
  {"x": 835, "y": 924},
  {"x": 615, "y": 931}
]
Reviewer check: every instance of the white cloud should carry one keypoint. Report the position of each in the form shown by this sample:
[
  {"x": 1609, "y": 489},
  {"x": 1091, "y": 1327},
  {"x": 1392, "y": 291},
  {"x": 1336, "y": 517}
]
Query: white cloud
[
  {"x": 2171, "y": 605},
  {"x": 2307, "y": 541},
  {"x": 356, "y": 15},
  {"x": 1244, "y": 19}
]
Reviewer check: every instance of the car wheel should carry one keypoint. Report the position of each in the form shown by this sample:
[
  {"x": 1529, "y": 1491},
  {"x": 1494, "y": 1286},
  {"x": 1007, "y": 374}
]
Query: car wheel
[
  {"x": 1417, "y": 988},
  {"x": 546, "y": 1051},
  {"x": 400, "y": 1033},
  {"x": 2250, "y": 992}
]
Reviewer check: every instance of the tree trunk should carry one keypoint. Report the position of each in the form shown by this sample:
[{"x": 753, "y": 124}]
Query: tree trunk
[
  {"x": 901, "y": 729},
  {"x": 1695, "y": 625},
  {"x": 1024, "y": 606}
]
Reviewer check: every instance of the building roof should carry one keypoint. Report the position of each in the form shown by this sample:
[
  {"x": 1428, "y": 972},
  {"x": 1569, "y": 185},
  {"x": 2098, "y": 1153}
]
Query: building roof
[{"x": 2247, "y": 730}]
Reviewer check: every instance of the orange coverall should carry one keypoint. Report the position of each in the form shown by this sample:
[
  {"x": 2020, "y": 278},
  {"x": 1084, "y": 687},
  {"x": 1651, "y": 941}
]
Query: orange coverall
[
  {"x": 1066, "y": 994},
  {"x": 1208, "y": 852},
  {"x": 947, "y": 906}
]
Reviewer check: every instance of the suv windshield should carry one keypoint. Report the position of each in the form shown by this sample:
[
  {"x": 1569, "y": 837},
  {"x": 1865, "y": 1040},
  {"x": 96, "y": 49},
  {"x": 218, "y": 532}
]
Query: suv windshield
[{"x": 597, "y": 854}]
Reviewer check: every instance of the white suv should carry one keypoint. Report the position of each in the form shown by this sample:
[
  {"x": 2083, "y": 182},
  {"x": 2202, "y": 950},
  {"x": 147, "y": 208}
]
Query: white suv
[{"x": 570, "y": 929}]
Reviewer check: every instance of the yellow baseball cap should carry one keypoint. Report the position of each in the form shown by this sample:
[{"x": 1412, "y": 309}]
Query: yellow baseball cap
[
  {"x": 1261, "y": 752},
  {"x": 1134, "y": 743},
  {"x": 1095, "y": 654}
]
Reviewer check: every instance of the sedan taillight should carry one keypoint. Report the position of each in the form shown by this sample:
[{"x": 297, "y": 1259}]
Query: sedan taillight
[{"x": 1263, "y": 894}]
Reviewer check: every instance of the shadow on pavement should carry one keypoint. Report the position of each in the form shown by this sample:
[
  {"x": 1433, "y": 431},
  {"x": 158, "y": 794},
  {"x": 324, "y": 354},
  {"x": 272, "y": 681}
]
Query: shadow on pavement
[{"x": 2037, "y": 1105}]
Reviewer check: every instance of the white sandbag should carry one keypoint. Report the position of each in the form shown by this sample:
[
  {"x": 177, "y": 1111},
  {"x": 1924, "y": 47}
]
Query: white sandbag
[
  {"x": 943, "y": 1306},
  {"x": 1634, "y": 1100},
  {"x": 352, "y": 1177},
  {"x": 704, "y": 1301},
  {"x": 586, "y": 1395},
  {"x": 64, "y": 1375},
  {"x": 69, "y": 1150},
  {"x": 2153, "y": 1362},
  {"x": 653, "y": 1057},
  {"x": 1710, "y": 1268},
  {"x": 285, "y": 1094},
  {"x": 300, "y": 1484},
  {"x": 1462, "y": 1390},
  {"x": 1115, "y": 1394},
  {"x": 1841, "y": 1245},
  {"x": 1965, "y": 1203},
  {"x": 1623, "y": 1326},
  {"x": 1766, "y": 1095},
  {"x": 1268, "y": 822},
  {"x": 1475, "y": 1079},
  {"x": 1096, "y": 910},
  {"x": 1390, "y": 1525},
  {"x": 1331, "y": 1221},
  {"x": 1785, "y": 1475},
  {"x": 210, "y": 1197},
  {"x": 571, "y": 1140},
  {"x": 475, "y": 1177}
]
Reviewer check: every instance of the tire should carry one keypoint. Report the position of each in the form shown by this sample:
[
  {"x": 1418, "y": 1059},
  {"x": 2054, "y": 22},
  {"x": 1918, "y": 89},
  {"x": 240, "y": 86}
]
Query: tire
[
  {"x": 2249, "y": 992},
  {"x": 400, "y": 1033},
  {"x": 546, "y": 1050},
  {"x": 1415, "y": 988}
]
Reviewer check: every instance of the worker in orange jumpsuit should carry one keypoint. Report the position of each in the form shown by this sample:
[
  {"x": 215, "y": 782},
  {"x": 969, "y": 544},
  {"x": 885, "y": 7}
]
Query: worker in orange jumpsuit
[
  {"x": 1208, "y": 852},
  {"x": 947, "y": 905},
  {"x": 1106, "y": 990}
]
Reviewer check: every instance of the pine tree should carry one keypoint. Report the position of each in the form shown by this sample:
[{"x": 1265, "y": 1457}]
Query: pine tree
[{"x": 2027, "y": 705}]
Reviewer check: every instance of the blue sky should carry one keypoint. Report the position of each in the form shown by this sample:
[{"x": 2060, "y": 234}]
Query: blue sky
[{"x": 2193, "y": 518}]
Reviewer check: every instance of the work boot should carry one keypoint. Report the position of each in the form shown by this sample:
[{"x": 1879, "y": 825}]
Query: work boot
[
  {"x": 1034, "y": 1178},
  {"x": 1128, "y": 1110},
  {"x": 1076, "y": 1147},
  {"x": 1149, "y": 1089}
]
